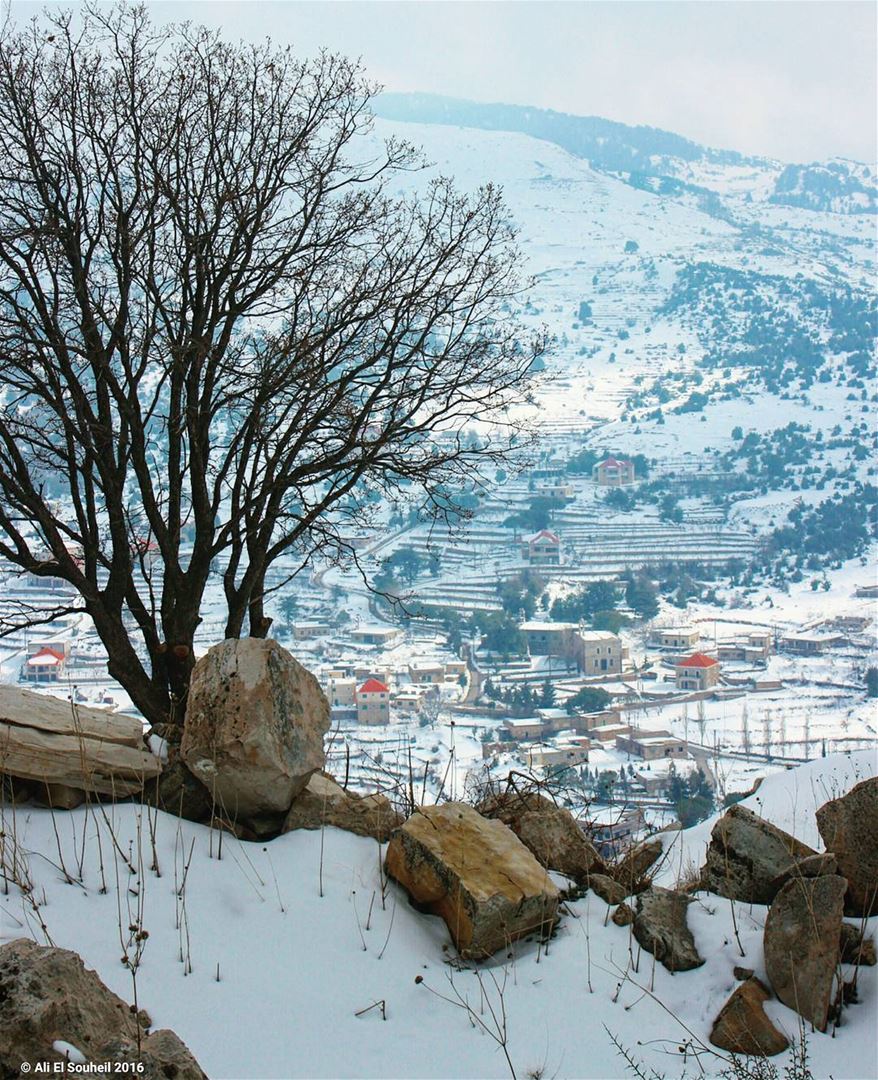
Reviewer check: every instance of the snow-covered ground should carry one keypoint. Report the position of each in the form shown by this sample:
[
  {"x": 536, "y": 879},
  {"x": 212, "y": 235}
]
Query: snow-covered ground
[{"x": 295, "y": 958}]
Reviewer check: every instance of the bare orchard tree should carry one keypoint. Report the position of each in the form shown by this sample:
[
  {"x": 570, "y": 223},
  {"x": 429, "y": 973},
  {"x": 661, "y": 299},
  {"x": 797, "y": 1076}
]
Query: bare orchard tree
[{"x": 223, "y": 331}]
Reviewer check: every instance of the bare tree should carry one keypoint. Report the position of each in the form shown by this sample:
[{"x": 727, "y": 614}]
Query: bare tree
[{"x": 222, "y": 330}]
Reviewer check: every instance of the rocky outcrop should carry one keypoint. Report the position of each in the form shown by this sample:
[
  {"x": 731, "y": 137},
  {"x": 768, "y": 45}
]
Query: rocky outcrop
[
  {"x": 254, "y": 727},
  {"x": 325, "y": 802},
  {"x": 855, "y": 947},
  {"x": 607, "y": 889},
  {"x": 64, "y": 749},
  {"x": 630, "y": 871},
  {"x": 660, "y": 927},
  {"x": 549, "y": 831},
  {"x": 801, "y": 944},
  {"x": 742, "y": 1026},
  {"x": 49, "y": 997},
  {"x": 748, "y": 855},
  {"x": 849, "y": 828},
  {"x": 476, "y": 874}
]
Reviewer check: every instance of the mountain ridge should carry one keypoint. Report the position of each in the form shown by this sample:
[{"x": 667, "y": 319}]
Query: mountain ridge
[{"x": 642, "y": 155}]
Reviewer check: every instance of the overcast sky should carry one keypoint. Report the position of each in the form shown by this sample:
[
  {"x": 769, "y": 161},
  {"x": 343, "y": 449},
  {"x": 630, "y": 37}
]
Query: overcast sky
[{"x": 788, "y": 79}]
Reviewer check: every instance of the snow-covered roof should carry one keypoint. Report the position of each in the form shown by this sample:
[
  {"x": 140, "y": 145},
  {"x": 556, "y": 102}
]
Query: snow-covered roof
[
  {"x": 46, "y": 657},
  {"x": 543, "y": 534}
]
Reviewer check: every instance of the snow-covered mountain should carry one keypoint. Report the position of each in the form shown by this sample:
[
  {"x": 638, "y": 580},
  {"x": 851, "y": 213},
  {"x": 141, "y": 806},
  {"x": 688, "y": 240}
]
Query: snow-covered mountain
[
  {"x": 694, "y": 299},
  {"x": 654, "y": 159}
]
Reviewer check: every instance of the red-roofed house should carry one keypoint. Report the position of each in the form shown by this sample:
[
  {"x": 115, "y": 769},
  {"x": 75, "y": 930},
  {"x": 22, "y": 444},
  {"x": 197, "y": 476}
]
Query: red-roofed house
[
  {"x": 697, "y": 672},
  {"x": 613, "y": 472},
  {"x": 46, "y": 664},
  {"x": 542, "y": 549},
  {"x": 373, "y": 703}
]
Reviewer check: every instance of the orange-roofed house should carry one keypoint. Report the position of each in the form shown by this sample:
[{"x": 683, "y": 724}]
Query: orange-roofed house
[
  {"x": 697, "y": 672},
  {"x": 613, "y": 472},
  {"x": 542, "y": 549},
  {"x": 47, "y": 664},
  {"x": 373, "y": 703}
]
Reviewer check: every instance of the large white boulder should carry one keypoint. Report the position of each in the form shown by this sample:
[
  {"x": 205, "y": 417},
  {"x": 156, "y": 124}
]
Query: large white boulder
[{"x": 254, "y": 727}]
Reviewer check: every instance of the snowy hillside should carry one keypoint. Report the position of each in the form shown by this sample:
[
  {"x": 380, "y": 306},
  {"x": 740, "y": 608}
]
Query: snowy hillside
[
  {"x": 679, "y": 319},
  {"x": 297, "y": 957}
]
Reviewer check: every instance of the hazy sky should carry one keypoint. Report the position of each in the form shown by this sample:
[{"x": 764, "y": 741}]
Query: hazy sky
[{"x": 789, "y": 79}]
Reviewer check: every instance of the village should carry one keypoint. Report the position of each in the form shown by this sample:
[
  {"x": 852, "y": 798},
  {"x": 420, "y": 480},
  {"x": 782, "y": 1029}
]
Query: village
[{"x": 636, "y": 728}]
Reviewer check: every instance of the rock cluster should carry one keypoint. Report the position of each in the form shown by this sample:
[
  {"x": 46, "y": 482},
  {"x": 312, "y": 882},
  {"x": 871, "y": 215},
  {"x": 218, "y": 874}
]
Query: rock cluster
[
  {"x": 49, "y": 998},
  {"x": 805, "y": 937}
]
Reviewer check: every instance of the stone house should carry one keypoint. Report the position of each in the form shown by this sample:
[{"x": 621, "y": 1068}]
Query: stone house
[
  {"x": 674, "y": 637},
  {"x": 341, "y": 691},
  {"x": 423, "y": 672},
  {"x": 651, "y": 745},
  {"x": 600, "y": 652},
  {"x": 559, "y": 755}
]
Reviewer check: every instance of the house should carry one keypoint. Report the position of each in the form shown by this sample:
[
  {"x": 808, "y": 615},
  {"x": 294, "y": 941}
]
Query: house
[
  {"x": 543, "y": 548},
  {"x": 613, "y": 831},
  {"x": 422, "y": 672},
  {"x": 529, "y": 728},
  {"x": 46, "y": 663},
  {"x": 375, "y": 635},
  {"x": 651, "y": 745},
  {"x": 373, "y": 703},
  {"x": 870, "y": 592},
  {"x": 810, "y": 643},
  {"x": 754, "y": 648},
  {"x": 409, "y": 697},
  {"x": 613, "y": 472},
  {"x": 454, "y": 669},
  {"x": 341, "y": 691},
  {"x": 674, "y": 637},
  {"x": 697, "y": 672},
  {"x": 560, "y": 755},
  {"x": 600, "y": 652},
  {"x": 558, "y": 490},
  {"x": 654, "y": 783},
  {"x": 363, "y": 672}
]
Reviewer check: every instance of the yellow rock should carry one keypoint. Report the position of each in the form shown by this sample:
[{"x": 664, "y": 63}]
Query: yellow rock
[{"x": 476, "y": 874}]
